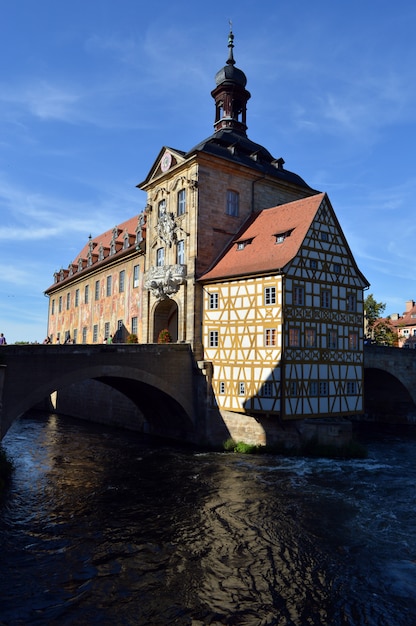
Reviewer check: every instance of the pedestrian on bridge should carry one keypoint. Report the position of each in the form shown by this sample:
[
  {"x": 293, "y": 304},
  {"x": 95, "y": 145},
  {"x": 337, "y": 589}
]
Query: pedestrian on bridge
[{"x": 3, "y": 341}]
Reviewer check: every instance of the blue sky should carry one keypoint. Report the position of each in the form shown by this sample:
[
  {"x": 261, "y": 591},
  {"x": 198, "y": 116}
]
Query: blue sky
[{"x": 90, "y": 91}]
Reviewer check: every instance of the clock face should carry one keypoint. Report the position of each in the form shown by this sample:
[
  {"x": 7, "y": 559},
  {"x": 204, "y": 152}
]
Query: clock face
[{"x": 166, "y": 162}]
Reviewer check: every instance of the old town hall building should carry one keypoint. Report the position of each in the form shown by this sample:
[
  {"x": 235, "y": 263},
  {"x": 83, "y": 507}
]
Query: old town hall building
[{"x": 237, "y": 256}]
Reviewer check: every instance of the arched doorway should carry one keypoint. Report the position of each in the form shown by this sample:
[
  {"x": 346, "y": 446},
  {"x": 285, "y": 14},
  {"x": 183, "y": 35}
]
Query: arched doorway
[{"x": 166, "y": 316}]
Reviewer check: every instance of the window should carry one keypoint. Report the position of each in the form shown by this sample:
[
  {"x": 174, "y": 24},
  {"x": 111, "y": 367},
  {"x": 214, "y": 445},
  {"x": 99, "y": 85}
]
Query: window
[
  {"x": 86, "y": 294},
  {"x": 323, "y": 388},
  {"x": 68, "y": 301},
  {"x": 267, "y": 390},
  {"x": 222, "y": 387},
  {"x": 336, "y": 268},
  {"x": 352, "y": 341},
  {"x": 84, "y": 334},
  {"x": 181, "y": 207},
  {"x": 160, "y": 257},
  {"x": 269, "y": 295},
  {"x": 310, "y": 337},
  {"x": 313, "y": 388},
  {"x": 60, "y": 304},
  {"x": 313, "y": 264},
  {"x": 332, "y": 339},
  {"x": 325, "y": 299},
  {"x": 293, "y": 388},
  {"x": 134, "y": 325},
  {"x": 180, "y": 252},
  {"x": 280, "y": 237},
  {"x": 135, "y": 276},
  {"x": 351, "y": 303},
  {"x": 95, "y": 333},
  {"x": 161, "y": 208},
  {"x": 270, "y": 337},
  {"x": 294, "y": 337},
  {"x": 106, "y": 330},
  {"x": 75, "y": 335},
  {"x": 120, "y": 332},
  {"x": 121, "y": 281},
  {"x": 213, "y": 338},
  {"x": 53, "y": 307},
  {"x": 233, "y": 202},
  {"x": 351, "y": 387},
  {"x": 241, "y": 389},
  {"x": 299, "y": 296},
  {"x": 324, "y": 236},
  {"x": 76, "y": 297},
  {"x": 97, "y": 290},
  {"x": 109, "y": 285},
  {"x": 213, "y": 301}
]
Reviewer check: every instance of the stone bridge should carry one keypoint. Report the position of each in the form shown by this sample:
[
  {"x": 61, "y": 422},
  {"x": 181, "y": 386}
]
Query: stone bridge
[
  {"x": 390, "y": 384},
  {"x": 162, "y": 380}
]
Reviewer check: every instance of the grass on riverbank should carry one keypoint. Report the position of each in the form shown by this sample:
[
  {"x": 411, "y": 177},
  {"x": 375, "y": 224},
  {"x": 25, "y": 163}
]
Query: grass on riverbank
[
  {"x": 311, "y": 448},
  {"x": 6, "y": 469}
]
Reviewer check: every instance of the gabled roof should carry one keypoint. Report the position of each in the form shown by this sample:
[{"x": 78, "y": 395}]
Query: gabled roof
[
  {"x": 177, "y": 157},
  {"x": 261, "y": 253}
]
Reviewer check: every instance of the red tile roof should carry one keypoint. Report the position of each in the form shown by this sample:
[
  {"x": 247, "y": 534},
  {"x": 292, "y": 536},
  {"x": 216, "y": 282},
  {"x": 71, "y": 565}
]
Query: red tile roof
[{"x": 263, "y": 254}]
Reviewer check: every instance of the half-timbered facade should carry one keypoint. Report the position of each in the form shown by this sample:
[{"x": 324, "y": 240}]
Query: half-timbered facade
[{"x": 283, "y": 316}]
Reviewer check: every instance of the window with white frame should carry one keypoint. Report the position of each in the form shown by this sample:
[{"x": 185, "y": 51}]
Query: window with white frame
[
  {"x": 222, "y": 387},
  {"x": 332, "y": 339},
  {"x": 353, "y": 341},
  {"x": 136, "y": 276},
  {"x": 213, "y": 338},
  {"x": 213, "y": 300},
  {"x": 294, "y": 337},
  {"x": 270, "y": 337},
  {"x": 233, "y": 203},
  {"x": 351, "y": 303},
  {"x": 160, "y": 257},
  {"x": 109, "y": 285},
  {"x": 351, "y": 387},
  {"x": 299, "y": 296},
  {"x": 121, "y": 281},
  {"x": 180, "y": 252},
  {"x": 325, "y": 299},
  {"x": 181, "y": 207},
  {"x": 310, "y": 337},
  {"x": 269, "y": 296}
]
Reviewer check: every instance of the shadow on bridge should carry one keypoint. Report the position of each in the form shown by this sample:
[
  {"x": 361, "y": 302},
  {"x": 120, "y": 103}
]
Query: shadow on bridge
[
  {"x": 162, "y": 381},
  {"x": 390, "y": 385}
]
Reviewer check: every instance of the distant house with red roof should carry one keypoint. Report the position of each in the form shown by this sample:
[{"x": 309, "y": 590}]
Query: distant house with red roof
[{"x": 405, "y": 325}]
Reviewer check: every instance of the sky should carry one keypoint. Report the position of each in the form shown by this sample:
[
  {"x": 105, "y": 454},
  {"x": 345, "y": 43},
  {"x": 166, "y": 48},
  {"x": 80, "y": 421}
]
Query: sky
[{"x": 90, "y": 91}]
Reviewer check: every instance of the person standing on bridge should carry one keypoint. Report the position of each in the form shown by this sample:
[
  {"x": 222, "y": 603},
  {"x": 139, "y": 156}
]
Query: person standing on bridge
[{"x": 3, "y": 341}]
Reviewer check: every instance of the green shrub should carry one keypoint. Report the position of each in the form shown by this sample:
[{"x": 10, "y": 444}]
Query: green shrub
[
  {"x": 132, "y": 338},
  {"x": 164, "y": 336}
]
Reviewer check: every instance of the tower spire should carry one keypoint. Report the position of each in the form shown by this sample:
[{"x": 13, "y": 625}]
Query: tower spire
[{"x": 230, "y": 94}]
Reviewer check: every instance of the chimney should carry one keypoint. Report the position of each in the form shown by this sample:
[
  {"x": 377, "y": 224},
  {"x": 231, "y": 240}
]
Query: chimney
[{"x": 409, "y": 305}]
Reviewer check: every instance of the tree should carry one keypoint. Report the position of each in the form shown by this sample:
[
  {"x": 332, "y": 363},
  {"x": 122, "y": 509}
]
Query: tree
[{"x": 378, "y": 329}]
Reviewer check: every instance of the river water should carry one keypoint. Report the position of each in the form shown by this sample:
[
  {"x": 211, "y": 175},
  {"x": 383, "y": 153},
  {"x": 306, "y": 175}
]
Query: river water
[{"x": 101, "y": 526}]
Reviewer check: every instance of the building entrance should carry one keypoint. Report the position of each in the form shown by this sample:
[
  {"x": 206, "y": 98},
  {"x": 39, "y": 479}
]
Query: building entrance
[{"x": 166, "y": 317}]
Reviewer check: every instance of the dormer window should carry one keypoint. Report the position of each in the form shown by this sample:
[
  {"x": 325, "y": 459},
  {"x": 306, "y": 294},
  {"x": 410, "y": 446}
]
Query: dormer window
[
  {"x": 101, "y": 252},
  {"x": 80, "y": 265},
  {"x": 242, "y": 244},
  {"x": 126, "y": 240},
  {"x": 280, "y": 237}
]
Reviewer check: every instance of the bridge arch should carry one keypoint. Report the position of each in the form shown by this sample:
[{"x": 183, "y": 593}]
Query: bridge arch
[{"x": 162, "y": 381}]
